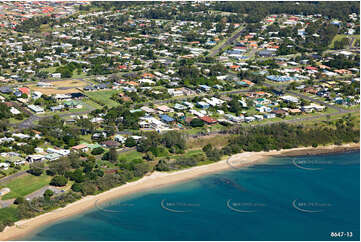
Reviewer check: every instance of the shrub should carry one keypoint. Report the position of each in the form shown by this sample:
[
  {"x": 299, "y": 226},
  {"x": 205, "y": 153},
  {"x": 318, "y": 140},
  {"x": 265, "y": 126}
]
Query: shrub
[
  {"x": 130, "y": 142},
  {"x": 48, "y": 193},
  {"x": 59, "y": 181},
  {"x": 197, "y": 122},
  {"x": 19, "y": 200},
  {"x": 97, "y": 151},
  {"x": 76, "y": 187}
]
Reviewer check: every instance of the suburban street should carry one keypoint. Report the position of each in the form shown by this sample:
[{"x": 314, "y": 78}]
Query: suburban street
[{"x": 227, "y": 43}]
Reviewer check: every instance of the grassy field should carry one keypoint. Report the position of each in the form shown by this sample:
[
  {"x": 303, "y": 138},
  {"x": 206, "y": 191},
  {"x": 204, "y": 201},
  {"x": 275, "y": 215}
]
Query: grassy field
[
  {"x": 103, "y": 97},
  {"x": 25, "y": 185},
  {"x": 214, "y": 140},
  {"x": 339, "y": 37},
  {"x": 87, "y": 106},
  {"x": 130, "y": 155},
  {"x": 60, "y": 87}
]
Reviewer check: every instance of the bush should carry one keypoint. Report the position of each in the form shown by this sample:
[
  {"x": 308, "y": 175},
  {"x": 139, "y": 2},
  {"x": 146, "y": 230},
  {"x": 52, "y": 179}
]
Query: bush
[
  {"x": 162, "y": 166},
  {"x": 130, "y": 142},
  {"x": 19, "y": 200},
  {"x": 149, "y": 156},
  {"x": 36, "y": 169},
  {"x": 197, "y": 122},
  {"x": 76, "y": 187},
  {"x": 48, "y": 193},
  {"x": 88, "y": 189},
  {"x": 59, "y": 181},
  {"x": 97, "y": 151}
]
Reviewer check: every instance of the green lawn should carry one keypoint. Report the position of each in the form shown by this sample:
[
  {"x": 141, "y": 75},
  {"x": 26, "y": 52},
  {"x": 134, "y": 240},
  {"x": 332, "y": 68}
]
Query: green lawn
[
  {"x": 24, "y": 185},
  {"x": 87, "y": 106},
  {"x": 103, "y": 97},
  {"x": 130, "y": 155}
]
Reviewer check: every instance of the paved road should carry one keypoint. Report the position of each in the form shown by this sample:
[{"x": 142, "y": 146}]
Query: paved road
[
  {"x": 228, "y": 42},
  {"x": 40, "y": 192},
  {"x": 6, "y": 203}
]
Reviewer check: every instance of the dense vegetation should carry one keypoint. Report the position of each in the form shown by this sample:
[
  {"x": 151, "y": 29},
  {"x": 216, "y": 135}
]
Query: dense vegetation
[
  {"x": 257, "y": 10},
  {"x": 89, "y": 175}
]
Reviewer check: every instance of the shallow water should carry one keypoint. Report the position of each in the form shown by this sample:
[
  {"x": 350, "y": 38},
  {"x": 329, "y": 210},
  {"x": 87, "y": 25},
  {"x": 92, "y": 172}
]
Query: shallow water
[{"x": 302, "y": 198}]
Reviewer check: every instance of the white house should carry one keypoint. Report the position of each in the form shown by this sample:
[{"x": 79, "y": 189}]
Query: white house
[{"x": 35, "y": 108}]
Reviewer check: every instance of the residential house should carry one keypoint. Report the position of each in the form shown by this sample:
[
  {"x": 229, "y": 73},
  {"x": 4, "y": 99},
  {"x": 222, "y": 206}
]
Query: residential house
[
  {"x": 208, "y": 120},
  {"x": 111, "y": 144},
  {"x": 80, "y": 148},
  {"x": 35, "y": 108}
]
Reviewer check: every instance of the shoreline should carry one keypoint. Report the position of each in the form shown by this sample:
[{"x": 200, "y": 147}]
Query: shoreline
[{"x": 162, "y": 179}]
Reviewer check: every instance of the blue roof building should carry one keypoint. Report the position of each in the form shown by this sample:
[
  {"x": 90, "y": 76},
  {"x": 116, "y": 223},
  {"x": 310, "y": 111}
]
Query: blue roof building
[{"x": 166, "y": 118}]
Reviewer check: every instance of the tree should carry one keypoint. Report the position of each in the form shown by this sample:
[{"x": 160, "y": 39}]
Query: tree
[
  {"x": 76, "y": 187},
  {"x": 113, "y": 155},
  {"x": 162, "y": 166},
  {"x": 207, "y": 148},
  {"x": 149, "y": 156},
  {"x": 48, "y": 193},
  {"x": 4, "y": 111},
  {"x": 197, "y": 122},
  {"x": 59, "y": 181},
  {"x": 19, "y": 200},
  {"x": 36, "y": 169},
  {"x": 130, "y": 142},
  {"x": 76, "y": 176},
  {"x": 60, "y": 166},
  {"x": 97, "y": 151},
  {"x": 174, "y": 138},
  {"x": 141, "y": 169},
  {"x": 88, "y": 188}
]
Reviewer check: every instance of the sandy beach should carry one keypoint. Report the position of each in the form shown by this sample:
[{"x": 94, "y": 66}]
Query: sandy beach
[{"x": 158, "y": 179}]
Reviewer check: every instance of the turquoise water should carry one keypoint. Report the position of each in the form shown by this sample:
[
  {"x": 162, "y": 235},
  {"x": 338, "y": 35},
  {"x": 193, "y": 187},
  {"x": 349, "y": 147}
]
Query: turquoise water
[{"x": 303, "y": 198}]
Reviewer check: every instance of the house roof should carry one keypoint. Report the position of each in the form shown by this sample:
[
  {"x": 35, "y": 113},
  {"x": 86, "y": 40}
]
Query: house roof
[
  {"x": 24, "y": 90},
  {"x": 111, "y": 143},
  {"x": 208, "y": 120},
  {"x": 166, "y": 118},
  {"x": 79, "y": 147}
]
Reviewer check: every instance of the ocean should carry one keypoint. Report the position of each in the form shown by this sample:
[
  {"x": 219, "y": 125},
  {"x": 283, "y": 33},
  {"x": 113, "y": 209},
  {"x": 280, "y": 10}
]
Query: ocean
[{"x": 287, "y": 198}]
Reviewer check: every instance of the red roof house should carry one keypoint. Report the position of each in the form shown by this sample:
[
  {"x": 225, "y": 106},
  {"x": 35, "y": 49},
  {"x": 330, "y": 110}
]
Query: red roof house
[
  {"x": 24, "y": 90},
  {"x": 209, "y": 120}
]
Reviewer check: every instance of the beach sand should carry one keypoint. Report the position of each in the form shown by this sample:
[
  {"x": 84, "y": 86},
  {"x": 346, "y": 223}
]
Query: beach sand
[{"x": 158, "y": 179}]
